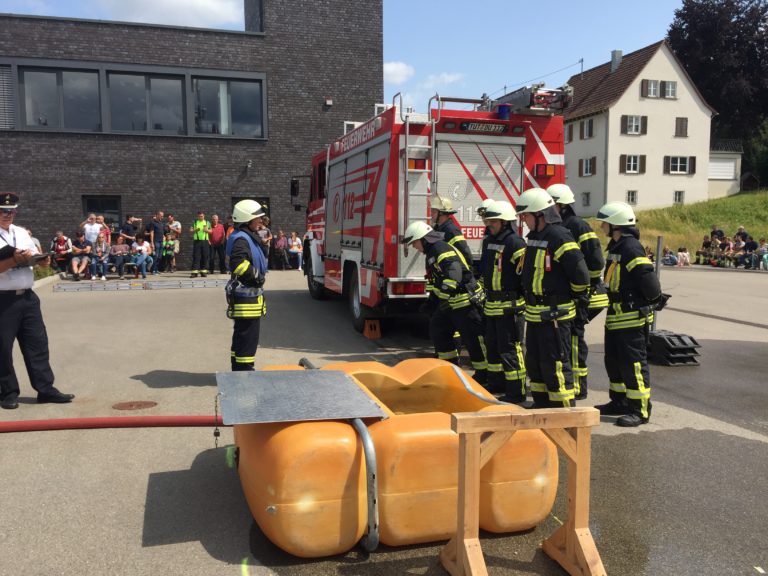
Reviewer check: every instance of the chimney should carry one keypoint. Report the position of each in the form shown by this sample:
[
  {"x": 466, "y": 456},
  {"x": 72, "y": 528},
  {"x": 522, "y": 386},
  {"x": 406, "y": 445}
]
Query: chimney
[{"x": 615, "y": 60}]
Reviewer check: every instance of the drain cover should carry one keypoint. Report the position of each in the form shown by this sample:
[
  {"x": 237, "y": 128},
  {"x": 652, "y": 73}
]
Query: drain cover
[{"x": 134, "y": 405}]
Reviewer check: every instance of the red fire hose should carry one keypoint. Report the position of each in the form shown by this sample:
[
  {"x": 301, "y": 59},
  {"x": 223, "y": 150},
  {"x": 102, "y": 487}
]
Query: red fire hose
[{"x": 110, "y": 422}]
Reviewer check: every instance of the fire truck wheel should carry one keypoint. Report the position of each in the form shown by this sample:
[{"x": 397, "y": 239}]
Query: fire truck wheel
[
  {"x": 316, "y": 289},
  {"x": 358, "y": 309}
]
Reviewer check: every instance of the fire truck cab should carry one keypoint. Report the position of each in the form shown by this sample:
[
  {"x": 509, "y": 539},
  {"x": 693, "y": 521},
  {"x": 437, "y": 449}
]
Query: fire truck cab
[{"x": 369, "y": 184}]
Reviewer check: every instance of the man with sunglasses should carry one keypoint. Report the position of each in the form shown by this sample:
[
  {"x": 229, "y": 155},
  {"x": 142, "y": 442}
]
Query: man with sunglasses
[{"x": 20, "y": 315}]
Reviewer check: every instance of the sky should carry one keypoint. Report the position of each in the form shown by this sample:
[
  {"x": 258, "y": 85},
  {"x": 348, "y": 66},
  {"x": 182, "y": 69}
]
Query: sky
[{"x": 461, "y": 48}]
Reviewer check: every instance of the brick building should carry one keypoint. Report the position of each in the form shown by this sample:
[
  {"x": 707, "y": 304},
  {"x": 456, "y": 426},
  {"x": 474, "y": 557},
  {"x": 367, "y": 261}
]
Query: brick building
[{"x": 119, "y": 118}]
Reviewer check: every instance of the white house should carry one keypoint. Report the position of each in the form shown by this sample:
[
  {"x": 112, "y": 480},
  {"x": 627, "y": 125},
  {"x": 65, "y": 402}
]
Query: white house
[{"x": 638, "y": 131}]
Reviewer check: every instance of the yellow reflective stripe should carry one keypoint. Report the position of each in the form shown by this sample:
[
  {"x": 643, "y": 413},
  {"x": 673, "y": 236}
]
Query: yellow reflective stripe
[
  {"x": 538, "y": 272},
  {"x": 456, "y": 238},
  {"x": 244, "y": 359},
  {"x": 448, "y": 355},
  {"x": 515, "y": 375},
  {"x": 521, "y": 361},
  {"x": 587, "y": 236},
  {"x": 599, "y": 301},
  {"x": 643, "y": 393},
  {"x": 480, "y": 365},
  {"x": 495, "y": 367},
  {"x": 242, "y": 267},
  {"x": 564, "y": 248},
  {"x": 637, "y": 261},
  {"x": 450, "y": 282},
  {"x": 538, "y": 386},
  {"x": 618, "y": 387},
  {"x": 595, "y": 273},
  {"x": 578, "y": 287},
  {"x": 517, "y": 254}
]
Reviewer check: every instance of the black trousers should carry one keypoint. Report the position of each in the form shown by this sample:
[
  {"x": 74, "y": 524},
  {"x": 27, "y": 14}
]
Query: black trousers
[
  {"x": 506, "y": 365},
  {"x": 547, "y": 359},
  {"x": 22, "y": 320},
  {"x": 217, "y": 252},
  {"x": 245, "y": 341},
  {"x": 469, "y": 324},
  {"x": 579, "y": 352},
  {"x": 626, "y": 362},
  {"x": 200, "y": 256}
]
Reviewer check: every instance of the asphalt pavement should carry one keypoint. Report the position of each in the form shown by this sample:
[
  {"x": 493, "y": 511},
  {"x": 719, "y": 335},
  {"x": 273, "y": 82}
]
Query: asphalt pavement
[{"x": 683, "y": 495}]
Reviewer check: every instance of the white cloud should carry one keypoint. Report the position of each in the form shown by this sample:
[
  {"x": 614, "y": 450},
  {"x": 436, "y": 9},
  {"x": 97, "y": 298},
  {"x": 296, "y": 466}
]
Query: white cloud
[
  {"x": 397, "y": 72},
  {"x": 435, "y": 81},
  {"x": 197, "y": 13}
]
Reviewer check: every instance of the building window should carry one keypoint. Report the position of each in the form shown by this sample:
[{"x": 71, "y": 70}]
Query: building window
[
  {"x": 681, "y": 127},
  {"x": 632, "y": 197},
  {"x": 67, "y": 99},
  {"x": 138, "y": 103},
  {"x": 107, "y": 206},
  {"x": 678, "y": 197},
  {"x": 586, "y": 199},
  {"x": 653, "y": 89},
  {"x": 632, "y": 164},
  {"x": 587, "y": 166},
  {"x": 669, "y": 89},
  {"x": 634, "y": 124},
  {"x": 228, "y": 107},
  {"x": 679, "y": 164},
  {"x": 586, "y": 129}
]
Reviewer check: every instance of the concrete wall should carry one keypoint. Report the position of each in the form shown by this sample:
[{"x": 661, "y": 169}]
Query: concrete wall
[
  {"x": 309, "y": 50},
  {"x": 721, "y": 187},
  {"x": 579, "y": 149}
]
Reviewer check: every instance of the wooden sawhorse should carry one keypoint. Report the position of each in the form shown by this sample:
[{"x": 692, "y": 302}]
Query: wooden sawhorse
[{"x": 571, "y": 545}]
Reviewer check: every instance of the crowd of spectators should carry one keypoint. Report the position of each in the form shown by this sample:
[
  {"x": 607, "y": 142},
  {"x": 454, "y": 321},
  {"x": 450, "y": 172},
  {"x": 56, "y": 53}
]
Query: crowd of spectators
[
  {"x": 738, "y": 250},
  {"x": 95, "y": 249}
]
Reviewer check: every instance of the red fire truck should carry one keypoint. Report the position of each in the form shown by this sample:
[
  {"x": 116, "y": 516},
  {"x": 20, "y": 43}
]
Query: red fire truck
[{"x": 368, "y": 185}]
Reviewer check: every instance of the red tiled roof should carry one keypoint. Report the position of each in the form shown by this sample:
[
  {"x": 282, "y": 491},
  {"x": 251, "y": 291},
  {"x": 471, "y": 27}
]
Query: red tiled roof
[{"x": 597, "y": 89}]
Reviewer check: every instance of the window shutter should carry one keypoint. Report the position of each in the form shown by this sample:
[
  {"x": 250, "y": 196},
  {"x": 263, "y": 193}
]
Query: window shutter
[
  {"x": 623, "y": 164},
  {"x": 581, "y": 167},
  {"x": 590, "y": 128},
  {"x": 642, "y": 164},
  {"x": 691, "y": 164},
  {"x": 581, "y": 130},
  {"x": 644, "y": 88},
  {"x": 643, "y": 124},
  {"x": 569, "y": 133},
  {"x": 684, "y": 127},
  {"x": 593, "y": 162},
  {"x": 663, "y": 89},
  {"x": 624, "y": 121},
  {"x": 7, "y": 110},
  {"x": 666, "y": 164}
]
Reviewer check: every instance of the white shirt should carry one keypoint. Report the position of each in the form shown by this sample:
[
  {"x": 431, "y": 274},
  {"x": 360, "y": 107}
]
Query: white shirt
[
  {"x": 92, "y": 231},
  {"x": 143, "y": 249},
  {"x": 17, "y": 278}
]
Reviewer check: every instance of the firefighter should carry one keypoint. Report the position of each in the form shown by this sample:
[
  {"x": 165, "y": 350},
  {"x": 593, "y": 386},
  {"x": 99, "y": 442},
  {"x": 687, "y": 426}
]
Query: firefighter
[
  {"x": 454, "y": 295},
  {"x": 634, "y": 292},
  {"x": 590, "y": 247},
  {"x": 553, "y": 275},
  {"x": 245, "y": 297},
  {"x": 442, "y": 221},
  {"x": 504, "y": 302}
]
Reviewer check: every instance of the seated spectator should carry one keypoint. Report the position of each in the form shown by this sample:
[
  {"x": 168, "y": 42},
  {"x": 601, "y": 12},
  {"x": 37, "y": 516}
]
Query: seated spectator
[
  {"x": 280, "y": 252},
  {"x": 741, "y": 234},
  {"x": 716, "y": 233},
  {"x": 295, "y": 248},
  {"x": 81, "y": 250},
  {"x": 704, "y": 253},
  {"x": 668, "y": 258},
  {"x": 683, "y": 258},
  {"x": 762, "y": 254},
  {"x": 736, "y": 252},
  {"x": 749, "y": 254},
  {"x": 100, "y": 257},
  {"x": 142, "y": 252},
  {"x": 61, "y": 246},
  {"x": 118, "y": 255}
]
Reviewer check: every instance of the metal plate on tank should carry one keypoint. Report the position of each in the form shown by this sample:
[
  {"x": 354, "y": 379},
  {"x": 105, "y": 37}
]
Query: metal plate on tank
[{"x": 292, "y": 396}]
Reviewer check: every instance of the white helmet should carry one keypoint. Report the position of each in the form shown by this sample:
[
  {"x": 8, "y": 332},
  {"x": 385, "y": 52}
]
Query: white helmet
[
  {"x": 562, "y": 193},
  {"x": 617, "y": 213},
  {"x": 534, "y": 200},
  {"x": 501, "y": 210},
  {"x": 443, "y": 205},
  {"x": 484, "y": 206},
  {"x": 416, "y": 231},
  {"x": 246, "y": 210}
]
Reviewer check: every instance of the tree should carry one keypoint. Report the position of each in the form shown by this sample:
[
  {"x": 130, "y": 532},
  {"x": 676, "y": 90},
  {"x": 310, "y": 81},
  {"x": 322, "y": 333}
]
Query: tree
[{"x": 723, "y": 45}]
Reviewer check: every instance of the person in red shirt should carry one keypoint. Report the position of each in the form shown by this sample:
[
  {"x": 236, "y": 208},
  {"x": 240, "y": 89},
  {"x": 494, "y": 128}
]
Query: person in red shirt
[{"x": 217, "y": 239}]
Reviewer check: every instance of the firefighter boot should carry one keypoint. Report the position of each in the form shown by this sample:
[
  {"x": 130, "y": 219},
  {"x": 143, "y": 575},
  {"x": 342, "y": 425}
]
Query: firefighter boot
[
  {"x": 635, "y": 417},
  {"x": 614, "y": 408}
]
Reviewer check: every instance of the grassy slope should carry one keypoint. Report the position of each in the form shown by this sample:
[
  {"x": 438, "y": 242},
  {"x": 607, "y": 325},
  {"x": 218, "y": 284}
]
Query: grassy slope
[{"x": 685, "y": 225}]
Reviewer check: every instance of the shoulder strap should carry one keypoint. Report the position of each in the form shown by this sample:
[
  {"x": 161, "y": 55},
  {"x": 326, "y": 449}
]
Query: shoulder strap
[{"x": 256, "y": 254}]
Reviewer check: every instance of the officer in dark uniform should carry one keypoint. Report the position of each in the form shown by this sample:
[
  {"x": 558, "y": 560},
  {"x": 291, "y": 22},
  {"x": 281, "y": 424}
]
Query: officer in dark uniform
[
  {"x": 634, "y": 292},
  {"x": 245, "y": 296},
  {"x": 504, "y": 302},
  {"x": 454, "y": 291},
  {"x": 441, "y": 211},
  {"x": 20, "y": 315},
  {"x": 553, "y": 276},
  {"x": 598, "y": 300}
]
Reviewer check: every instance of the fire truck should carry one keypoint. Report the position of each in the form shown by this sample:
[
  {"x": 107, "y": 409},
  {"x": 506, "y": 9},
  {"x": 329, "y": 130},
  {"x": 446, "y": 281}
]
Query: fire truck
[{"x": 367, "y": 186}]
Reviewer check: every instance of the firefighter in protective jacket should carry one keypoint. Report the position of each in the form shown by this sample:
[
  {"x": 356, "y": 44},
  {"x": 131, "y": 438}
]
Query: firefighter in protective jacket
[
  {"x": 504, "y": 302},
  {"x": 554, "y": 276},
  {"x": 589, "y": 244},
  {"x": 245, "y": 295},
  {"x": 441, "y": 210},
  {"x": 454, "y": 296},
  {"x": 634, "y": 292}
]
